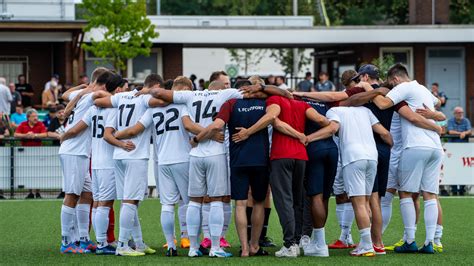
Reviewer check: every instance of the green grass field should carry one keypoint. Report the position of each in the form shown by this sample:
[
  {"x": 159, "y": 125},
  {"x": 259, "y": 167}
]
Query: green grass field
[{"x": 30, "y": 234}]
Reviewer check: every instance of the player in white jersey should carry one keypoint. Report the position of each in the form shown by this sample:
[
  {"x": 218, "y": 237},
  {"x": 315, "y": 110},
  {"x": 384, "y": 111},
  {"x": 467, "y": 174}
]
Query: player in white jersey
[
  {"x": 359, "y": 163},
  {"x": 420, "y": 160},
  {"x": 208, "y": 163},
  {"x": 131, "y": 167},
  {"x": 102, "y": 165},
  {"x": 172, "y": 147},
  {"x": 74, "y": 156}
]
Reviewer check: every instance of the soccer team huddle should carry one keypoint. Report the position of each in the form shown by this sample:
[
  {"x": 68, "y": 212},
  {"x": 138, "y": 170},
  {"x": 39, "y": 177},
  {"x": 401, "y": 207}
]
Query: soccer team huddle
[{"x": 251, "y": 143}]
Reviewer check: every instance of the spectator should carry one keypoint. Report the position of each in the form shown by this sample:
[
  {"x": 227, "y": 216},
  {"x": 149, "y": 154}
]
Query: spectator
[
  {"x": 57, "y": 124},
  {"x": 18, "y": 117},
  {"x": 202, "y": 85},
  {"x": 16, "y": 97},
  {"x": 270, "y": 80},
  {"x": 49, "y": 98},
  {"x": 306, "y": 85},
  {"x": 83, "y": 79},
  {"x": 54, "y": 79},
  {"x": 324, "y": 83},
  {"x": 25, "y": 90},
  {"x": 168, "y": 84},
  {"x": 459, "y": 126},
  {"x": 439, "y": 94},
  {"x": 280, "y": 83},
  {"x": 193, "y": 78},
  {"x": 4, "y": 132},
  {"x": 50, "y": 116},
  {"x": 33, "y": 130},
  {"x": 5, "y": 97}
]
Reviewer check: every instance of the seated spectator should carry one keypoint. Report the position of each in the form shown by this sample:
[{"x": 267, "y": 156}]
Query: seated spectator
[
  {"x": 280, "y": 83},
  {"x": 57, "y": 124},
  {"x": 439, "y": 94},
  {"x": 50, "y": 116},
  {"x": 49, "y": 98},
  {"x": 306, "y": 85},
  {"x": 324, "y": 83},
  {"x": 18, "y": 116},
  {"x": 83, "y": 79},
  {"x": 16, "y": 97},
  {"x": 461, "y": 127},
  {"x": 4, "y": 132},
  {"x": 270, "y": 80}
]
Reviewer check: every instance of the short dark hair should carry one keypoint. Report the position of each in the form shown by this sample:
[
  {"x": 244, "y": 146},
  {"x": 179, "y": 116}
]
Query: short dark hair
[
  {"x": 21, "y": 75},
  {"x": 153, "y": 79},
  {"x": 114, "y": 82},
  {"x": 97, "y": 72},
  {"x": 215, "y": 75},
  {"x": 82, "y": 76},
  {"x": 60, "y": 107},
  {"x": 124, "y": 81},
  {"x": 281, "y": 77},
  {"x": 241, "y": 83},
  {"x": 168, "y": 84},
  {"x": 397, "y": 70},
  {"x": 323, "y": 73},
  {"x": 435, "y": 84},
  {"x": 308, "y": 74},
  {"x": 103, "y": 78}
]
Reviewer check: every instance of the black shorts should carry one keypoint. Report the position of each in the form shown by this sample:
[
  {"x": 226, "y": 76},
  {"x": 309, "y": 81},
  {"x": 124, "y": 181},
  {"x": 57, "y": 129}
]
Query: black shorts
[
  {"x": 243, "y": 178},
  {"x": 320, "y": 172},
  {"x": 381, "y": 178}
]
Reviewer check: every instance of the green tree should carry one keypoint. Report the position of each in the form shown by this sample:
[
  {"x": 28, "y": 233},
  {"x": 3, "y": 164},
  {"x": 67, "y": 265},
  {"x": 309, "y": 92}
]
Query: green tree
[
  {"x": 284, "y": 57},
  {"x": 127, "y": 32},
  {"x": 384, "y": 65},
  {"x": 247, "y": 58},
  {"x": 461, "y": 11}
]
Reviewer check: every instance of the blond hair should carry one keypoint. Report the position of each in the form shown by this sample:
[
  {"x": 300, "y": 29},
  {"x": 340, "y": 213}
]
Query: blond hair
[
  {"x": 98, "y": 72},
  {"x": 256, "y": 80},
  {"x": 182, "y": 83},
  {"x": 216, "y": 85}
]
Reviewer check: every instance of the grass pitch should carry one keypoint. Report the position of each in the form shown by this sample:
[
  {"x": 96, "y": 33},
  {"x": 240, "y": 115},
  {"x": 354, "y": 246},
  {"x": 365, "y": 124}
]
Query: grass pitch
[{"x": 30, "y": 234}]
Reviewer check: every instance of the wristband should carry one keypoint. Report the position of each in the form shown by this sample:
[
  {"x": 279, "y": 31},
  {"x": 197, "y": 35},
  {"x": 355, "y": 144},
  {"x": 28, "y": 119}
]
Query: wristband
[{"x": 195, "y": 139}]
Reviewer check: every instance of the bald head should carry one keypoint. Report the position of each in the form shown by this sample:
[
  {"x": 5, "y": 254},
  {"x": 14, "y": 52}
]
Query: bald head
[{"x": 216, "y": 85}]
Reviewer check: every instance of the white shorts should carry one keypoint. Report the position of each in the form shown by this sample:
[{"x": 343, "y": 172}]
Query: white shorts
[
  {"x": 174, "y": 182},
  {"x": 338, "y": 186},
  {"x": 131, "y": 177},
  {"x": 103, "y": 184},
  {"x": 156, "y": 174},
  {"x": 393, "y": 179},
  {"x": 208, "y": 176},
  {"x": 76, "y": 177},
  {"x": 359, "y": 177},
  {"x": 419, "y": 170}
]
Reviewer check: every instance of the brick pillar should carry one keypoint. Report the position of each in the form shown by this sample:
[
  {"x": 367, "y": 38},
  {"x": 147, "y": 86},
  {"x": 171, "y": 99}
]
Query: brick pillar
[
  {"x": 172, "y": 60},
  {"x": 470, "y": 82},
  {"x": 421, "y": 11},
  {"x": 419, "y": 59}
]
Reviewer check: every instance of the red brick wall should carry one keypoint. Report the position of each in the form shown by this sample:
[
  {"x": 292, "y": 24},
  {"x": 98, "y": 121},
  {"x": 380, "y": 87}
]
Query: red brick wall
[
  {"x": 172, "y": 60},
  {"x": 420, "y": 11},
  {"x": 419, "y": 63},
  {"x": 469, "y": 81}
]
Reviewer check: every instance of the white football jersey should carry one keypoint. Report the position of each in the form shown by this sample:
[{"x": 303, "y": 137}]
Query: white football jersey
[
  {"x": 102, "y": 151},
  {"x": 172, "y": 140},
  {"x": 202, "y": 107},
  {"x": 129, "y": 111},
  {"x": 81, "y": 144}
]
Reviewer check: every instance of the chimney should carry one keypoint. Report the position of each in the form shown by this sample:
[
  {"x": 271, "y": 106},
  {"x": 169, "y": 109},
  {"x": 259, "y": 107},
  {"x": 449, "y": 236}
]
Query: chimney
[{"x": 421, "y": 11}]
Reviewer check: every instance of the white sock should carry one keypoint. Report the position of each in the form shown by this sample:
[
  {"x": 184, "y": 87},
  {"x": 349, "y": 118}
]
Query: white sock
[
  {"x": 404, "y": 235},
  {"x": 93, "y": 216},
  {"x": 438, "y": 234},
  {"x": 127, "y": 215},
  {"x": 365, "y": 238},
  {"x": 205, "y": 220},
  {"x": 386, "y": 205},
  {"x": 193, "y": 219},
  {"x": 227, "y": 217},
  {"x": 102, "y": 224},
  {"x": 339, "y": 213},
  {"x": 319, "y": 236},
  {"x": 137, "y": 231},
  {"x": 216, "y": 222},
  {"x": 167, "y": 223},
  {"x": 407, "y": 208},
  {"x": 431, "y": 217},
  {"x": 347, "y": 220},
  {"x": 83, "y": 213},
  {"x": 182, "y": 218},
  {"x": 67, "y": 224}
]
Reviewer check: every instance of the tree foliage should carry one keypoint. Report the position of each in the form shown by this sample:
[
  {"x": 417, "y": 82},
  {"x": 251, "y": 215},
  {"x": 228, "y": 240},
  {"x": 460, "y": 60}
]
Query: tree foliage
[
  {"x": 127, "y": 32},
  {"x": 384, "y": 65},
  {"x": 247, "y": 59},
  {"x": 462, "y": 11},
  {"x": 284, "y": 57}
]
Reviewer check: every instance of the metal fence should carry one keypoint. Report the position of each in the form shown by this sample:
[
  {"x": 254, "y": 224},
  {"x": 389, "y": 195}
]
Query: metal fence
[{"x": 38, "y": 168}]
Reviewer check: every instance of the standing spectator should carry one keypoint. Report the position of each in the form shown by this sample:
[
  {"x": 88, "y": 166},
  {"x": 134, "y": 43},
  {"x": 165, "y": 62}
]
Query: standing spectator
[
  {"x": 202, "y": 85},
  {"x": 50, "y": 116},
  {"x": 4, "y": 132},
  {"x": 18, "y": 117},
  {"x": 439, "y": 94},
  {"x": 280, "y": 83},
  {"x": 306, "y": 85},
  {"x": 324, "y": 83},
  {"x": 193, "y": 78},
  {"x": 50, "y": 98},
  {"x": 5, "y": 97},
  {"x": 26, "y": 91},
  {"x": 460, "y": 126},
  {"x": 83, "y": 79},
  {"x": 54, "y": 79},
  {"x": 16, "y": 97},
  {"x": 270, "y": 80},
  {"x": 33, "y": 130}
]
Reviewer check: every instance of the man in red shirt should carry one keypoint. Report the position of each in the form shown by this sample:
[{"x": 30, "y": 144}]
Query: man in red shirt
[
  {"x": 288, "y": 159},
  {"x": 31, "y": 129}
]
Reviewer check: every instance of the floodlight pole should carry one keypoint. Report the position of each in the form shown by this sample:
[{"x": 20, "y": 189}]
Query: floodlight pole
[{"x": 295, "y": 50}]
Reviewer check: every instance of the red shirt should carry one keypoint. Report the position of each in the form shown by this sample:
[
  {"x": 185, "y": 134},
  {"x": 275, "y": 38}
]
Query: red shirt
[
  {"x": 355, "y": 90},
  {"x": 24, "y": 128},
  {"x": 294, "y": 114}
]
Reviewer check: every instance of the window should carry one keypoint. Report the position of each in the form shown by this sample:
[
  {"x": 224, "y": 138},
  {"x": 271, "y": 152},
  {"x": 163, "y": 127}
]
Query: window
[
  {"x": 141, "y": 66},
  {"x": 93, "y": 61},
  {"x": 12, "y": 66},
  {"x": 402, "y": 55}
]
